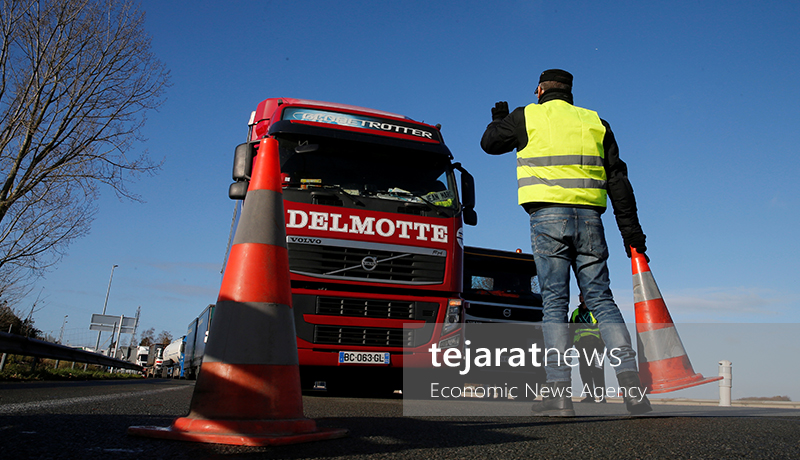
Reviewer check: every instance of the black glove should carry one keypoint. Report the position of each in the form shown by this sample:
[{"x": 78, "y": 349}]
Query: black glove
[
  {"x": 637, "y": 242},
  {"x": 500, "y": 110}
]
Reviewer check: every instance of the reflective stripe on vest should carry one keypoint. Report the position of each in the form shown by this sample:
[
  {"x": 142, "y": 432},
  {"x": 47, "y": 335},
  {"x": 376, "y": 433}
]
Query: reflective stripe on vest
[
  {"x": 584, "y": 331},
  {"x": 563, "y": 160}
]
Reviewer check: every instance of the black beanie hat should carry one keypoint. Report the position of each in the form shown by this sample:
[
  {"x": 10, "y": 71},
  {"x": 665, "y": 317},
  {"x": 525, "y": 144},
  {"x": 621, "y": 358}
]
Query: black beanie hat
[{"x": 556, "y": 75}]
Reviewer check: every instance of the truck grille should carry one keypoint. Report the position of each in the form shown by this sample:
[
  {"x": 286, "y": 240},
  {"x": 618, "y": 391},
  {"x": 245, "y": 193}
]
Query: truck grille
[
  {"x": 397, "y": 267},
  {"x": 363, "y": 336},
  {"x": 367, "y": 308},
  {"x": 349, "y": 310}
]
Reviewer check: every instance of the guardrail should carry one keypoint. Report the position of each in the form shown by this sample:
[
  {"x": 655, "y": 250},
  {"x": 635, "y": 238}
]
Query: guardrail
[{"x": 19, "y": 345}]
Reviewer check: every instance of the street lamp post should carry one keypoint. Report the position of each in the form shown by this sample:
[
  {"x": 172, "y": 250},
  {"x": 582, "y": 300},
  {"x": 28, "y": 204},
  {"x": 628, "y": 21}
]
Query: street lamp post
[
  {"x": 61, "y": 335},
  {"x": 105, "y": 304}
]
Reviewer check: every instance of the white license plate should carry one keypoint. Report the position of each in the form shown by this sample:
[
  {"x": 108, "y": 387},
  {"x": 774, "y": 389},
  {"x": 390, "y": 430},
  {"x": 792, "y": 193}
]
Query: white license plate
[{"x": 360, "y": 357}]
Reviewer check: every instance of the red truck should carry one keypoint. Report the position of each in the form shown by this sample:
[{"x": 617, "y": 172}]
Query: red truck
[{"x": 374, "y": 223}]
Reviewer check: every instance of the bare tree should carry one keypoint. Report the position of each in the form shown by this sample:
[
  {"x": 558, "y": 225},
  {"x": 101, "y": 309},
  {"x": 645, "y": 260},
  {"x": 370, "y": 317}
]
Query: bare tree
[
  {"x": 164, "y": 338},
  {"x": 13, "y": 284},
  {"x": 76, "y": 80},
  {"x": 148, "y": 337}
]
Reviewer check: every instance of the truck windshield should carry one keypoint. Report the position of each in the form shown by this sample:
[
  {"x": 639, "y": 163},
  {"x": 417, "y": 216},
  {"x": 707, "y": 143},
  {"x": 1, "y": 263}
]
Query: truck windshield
[{"x": 368, "y": 170}]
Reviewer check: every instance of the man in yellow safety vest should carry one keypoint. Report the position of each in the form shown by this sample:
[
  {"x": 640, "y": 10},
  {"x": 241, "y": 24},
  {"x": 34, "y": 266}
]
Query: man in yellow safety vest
[{"x": 567, "y": 164}]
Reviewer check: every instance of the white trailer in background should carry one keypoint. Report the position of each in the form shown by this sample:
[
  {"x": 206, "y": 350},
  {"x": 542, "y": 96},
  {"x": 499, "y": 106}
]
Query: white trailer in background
[{"x": 172, "y": 367}]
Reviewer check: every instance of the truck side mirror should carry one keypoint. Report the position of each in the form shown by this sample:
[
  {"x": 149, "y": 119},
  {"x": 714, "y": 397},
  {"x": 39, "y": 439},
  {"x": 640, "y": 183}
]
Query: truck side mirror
[
  {"x": 242, "y": 169},
  {"x": 467, "y": 196},
  {"x": 243, "y": 161},
  {"x": 238, "y": 190},
  {"x": 470, "y": 216}
]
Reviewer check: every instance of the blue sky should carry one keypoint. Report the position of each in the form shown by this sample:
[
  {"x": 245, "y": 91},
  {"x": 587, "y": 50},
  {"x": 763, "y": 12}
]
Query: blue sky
[{"x": 702, "y": 97}]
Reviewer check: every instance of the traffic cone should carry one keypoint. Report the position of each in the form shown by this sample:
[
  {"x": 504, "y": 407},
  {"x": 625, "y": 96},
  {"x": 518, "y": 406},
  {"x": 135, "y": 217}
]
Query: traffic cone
[
  {"x": 663, "y": 363},
  {"x": 248, "y": 389}
]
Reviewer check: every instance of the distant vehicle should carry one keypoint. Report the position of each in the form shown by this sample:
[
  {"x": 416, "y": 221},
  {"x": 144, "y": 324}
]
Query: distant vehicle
[
  {"x": 174, "y": 359},
  {"x": 155, "y": 361},
  {"x": 141, "y": 355},
  {"x": 195, "y": 343},
  {"x": 499, "y": 287},
  {"x": 502, "y": 310}
]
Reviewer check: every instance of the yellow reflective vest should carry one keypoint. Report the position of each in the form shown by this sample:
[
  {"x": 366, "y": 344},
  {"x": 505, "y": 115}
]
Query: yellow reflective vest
[{"x": 563, "y": 161}]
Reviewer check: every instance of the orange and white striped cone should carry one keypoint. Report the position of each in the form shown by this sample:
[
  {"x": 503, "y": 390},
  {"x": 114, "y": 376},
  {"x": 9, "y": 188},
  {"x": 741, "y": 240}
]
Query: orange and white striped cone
[
  {"x": 248, "y": 389},
  {"x": 663, "y": 363}
]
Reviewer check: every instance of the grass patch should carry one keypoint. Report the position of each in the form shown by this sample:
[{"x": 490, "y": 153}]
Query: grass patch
[
  {"x": 764, "y": 398},
  {"x": 23, "y": 373}
]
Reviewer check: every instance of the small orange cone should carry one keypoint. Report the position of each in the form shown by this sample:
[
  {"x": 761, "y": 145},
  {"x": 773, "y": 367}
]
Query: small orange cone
[
  {"x": 248, "y": 389},
  {"x": 663, "y": 363}
]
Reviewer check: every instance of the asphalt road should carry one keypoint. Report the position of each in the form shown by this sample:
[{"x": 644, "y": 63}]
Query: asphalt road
[{"x": 87, "y": 420}]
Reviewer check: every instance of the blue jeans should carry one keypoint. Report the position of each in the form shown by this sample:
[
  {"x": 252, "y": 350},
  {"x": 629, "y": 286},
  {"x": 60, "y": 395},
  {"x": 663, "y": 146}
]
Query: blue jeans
[{"x": 565, "y": 238}]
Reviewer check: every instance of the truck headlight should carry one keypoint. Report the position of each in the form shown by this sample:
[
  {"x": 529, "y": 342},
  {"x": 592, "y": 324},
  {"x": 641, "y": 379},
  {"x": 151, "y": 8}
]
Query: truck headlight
[{"x": 452, "y": 319}]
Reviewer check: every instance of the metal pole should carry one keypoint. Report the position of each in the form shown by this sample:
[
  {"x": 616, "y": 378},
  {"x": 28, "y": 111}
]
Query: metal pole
[
  {"x": 61, "y": 335},
  {"x": 135, "y": 325},
  {"x": 117, "y": 344},
  {"x": 725, "y": 370},
  {"x": 112, "y": 352},
  {"x": 111, "y": 342},
  {"x": 105, "y": 304}
]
